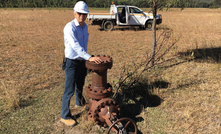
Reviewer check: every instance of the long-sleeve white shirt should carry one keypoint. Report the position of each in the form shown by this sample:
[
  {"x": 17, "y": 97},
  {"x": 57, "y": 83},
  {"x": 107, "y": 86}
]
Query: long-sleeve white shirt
[{"x": 75, "y": 41}]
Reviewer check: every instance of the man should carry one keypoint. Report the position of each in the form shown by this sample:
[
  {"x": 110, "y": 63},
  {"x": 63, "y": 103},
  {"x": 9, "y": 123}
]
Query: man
[
  {"x": 75, "y": 41},
  {"x": 123, "y": 16}
]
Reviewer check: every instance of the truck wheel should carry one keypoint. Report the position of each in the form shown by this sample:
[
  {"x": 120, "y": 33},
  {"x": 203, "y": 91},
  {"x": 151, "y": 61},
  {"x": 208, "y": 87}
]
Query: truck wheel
[
  {"x": 148, "y": 25},
  {"x": 108, "y": 26}
]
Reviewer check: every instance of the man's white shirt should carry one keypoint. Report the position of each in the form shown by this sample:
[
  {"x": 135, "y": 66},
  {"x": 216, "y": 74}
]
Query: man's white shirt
[{"x": 75, "y": 41}]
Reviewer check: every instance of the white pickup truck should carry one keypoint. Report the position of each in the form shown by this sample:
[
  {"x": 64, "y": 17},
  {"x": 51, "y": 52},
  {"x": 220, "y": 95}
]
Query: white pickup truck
[{"x": 122, "y": 15}]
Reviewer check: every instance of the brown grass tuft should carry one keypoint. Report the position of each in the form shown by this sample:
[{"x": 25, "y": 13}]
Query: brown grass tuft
[{"x": 10, "y": 95}]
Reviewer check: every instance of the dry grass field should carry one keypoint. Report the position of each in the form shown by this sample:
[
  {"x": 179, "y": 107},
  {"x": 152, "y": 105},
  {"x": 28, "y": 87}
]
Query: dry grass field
[{"x": 31, "y": 78}]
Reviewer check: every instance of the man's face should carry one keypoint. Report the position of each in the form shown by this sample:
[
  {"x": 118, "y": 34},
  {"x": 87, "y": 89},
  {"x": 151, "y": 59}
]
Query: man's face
[{"x": 80, "y": 17}]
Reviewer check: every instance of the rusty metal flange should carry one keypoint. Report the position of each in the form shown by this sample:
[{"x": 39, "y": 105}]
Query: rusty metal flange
[
  {"x": 99, "y": 94},
  {"x": 107, "y": 63},
  {"x": 102, "y": 108}
]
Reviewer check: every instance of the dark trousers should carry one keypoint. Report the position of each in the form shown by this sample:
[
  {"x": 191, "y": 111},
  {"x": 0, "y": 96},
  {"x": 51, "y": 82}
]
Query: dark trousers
[{"x": 75, "y": 72}]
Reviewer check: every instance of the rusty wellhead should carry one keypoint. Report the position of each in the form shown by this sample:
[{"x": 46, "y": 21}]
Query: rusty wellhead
[
  {"x": 103, "y": 110},
  {"x": 99, "y": 88}
]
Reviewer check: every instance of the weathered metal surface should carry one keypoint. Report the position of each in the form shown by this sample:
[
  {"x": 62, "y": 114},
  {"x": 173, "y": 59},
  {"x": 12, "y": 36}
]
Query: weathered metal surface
[
  {"x": 99, "y": 73},
  {"x": 107, "y": 63},
  {"x": 102, "y": 109},
  {"x": 99, "y": 88},
  {"x": 97, "y": 93}
]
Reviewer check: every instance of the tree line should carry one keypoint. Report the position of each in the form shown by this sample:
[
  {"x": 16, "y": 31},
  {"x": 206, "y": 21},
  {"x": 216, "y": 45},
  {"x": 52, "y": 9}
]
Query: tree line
[{"x": 98, "y": 3}]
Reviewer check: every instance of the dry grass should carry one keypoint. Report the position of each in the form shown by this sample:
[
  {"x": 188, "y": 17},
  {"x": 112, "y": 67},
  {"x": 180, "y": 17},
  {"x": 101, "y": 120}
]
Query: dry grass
[
  {"x": 11, "y": 97},
  {"x": 31, "y": 45}
]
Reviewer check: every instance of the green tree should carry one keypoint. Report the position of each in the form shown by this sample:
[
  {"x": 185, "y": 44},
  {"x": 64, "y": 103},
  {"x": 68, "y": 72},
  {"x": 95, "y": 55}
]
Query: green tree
[
  {"x": 217, "y": 2},
  {"x": 155, "y": 6}
]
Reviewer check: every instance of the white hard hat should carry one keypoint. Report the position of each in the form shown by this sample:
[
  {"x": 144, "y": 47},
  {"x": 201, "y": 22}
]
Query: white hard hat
[{"x": 81, "y": 7}]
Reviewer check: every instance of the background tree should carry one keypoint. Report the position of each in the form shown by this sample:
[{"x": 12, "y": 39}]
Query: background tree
[
  {"x": 104, "y": 3},
  {"x": 217, "y": 2},
  {"x": 155, "y": 6}
]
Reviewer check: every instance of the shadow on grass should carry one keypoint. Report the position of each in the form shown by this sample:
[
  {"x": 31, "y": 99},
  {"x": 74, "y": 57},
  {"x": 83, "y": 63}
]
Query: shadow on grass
[
  {"x": 133, "y": 101},
  {"x": 203, "y": 55},
  {"x": 27, "y": 102},
  {"x": 127, "y": 28},
  {"x": 135, "y": 28},
  {"x": 163, "y": 27}
]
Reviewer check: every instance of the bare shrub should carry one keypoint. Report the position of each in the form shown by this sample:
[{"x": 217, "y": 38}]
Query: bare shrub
[{"x": 131, "y": 74}]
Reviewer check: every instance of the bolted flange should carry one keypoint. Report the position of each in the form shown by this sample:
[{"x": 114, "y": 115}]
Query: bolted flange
[
  {"x": 103, "y": 109},
  {"x": 99, "y": 93},
  {"x": 106, "y": 63}
]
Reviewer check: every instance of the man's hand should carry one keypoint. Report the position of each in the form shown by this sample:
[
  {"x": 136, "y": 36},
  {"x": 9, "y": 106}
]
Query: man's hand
[{"x": 97, "y": 60}]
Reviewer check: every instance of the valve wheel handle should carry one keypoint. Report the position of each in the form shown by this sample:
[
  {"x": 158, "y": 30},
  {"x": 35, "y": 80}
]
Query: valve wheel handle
[{"x": 124, "y": 128}]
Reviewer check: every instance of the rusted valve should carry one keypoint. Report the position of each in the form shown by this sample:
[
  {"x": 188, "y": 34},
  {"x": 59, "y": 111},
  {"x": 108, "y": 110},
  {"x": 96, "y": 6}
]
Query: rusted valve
[{"x": 103, "y": 109}]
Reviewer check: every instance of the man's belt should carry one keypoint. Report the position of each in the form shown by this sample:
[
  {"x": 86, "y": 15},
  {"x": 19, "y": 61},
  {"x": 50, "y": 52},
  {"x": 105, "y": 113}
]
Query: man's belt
[{"x": 76, "y": 60}]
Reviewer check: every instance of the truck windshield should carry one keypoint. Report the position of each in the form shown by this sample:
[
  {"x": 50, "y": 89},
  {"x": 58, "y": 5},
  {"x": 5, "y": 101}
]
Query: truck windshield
[{"x": 134, "y": 10}]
